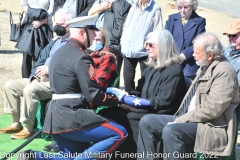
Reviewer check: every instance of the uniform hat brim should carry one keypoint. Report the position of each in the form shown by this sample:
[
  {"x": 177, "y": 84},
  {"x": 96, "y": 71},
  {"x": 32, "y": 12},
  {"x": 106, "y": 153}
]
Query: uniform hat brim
[{"x": 81, "y": 22}]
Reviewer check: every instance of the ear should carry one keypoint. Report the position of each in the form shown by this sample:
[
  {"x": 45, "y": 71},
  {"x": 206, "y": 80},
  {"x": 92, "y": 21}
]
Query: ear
[{"x": 210, "y": 56}]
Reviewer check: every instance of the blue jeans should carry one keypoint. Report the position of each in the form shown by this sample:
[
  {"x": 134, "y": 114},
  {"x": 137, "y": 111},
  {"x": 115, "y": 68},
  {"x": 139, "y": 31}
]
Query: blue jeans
[{"x": 105, "y": 138}]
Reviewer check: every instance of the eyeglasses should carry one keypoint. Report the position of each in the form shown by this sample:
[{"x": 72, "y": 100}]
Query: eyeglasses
[
  {"x": 149, "y": 44},
  {"x": 231, "y": 35},
  {"x": 185, "y": 7}
]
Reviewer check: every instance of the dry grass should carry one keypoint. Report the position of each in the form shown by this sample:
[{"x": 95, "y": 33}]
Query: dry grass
[{"x": 10, "y": 66}]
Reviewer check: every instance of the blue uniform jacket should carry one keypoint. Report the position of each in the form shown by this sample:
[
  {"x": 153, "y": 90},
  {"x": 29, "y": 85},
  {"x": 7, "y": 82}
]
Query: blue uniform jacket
[{"x": 184, "y": 35}]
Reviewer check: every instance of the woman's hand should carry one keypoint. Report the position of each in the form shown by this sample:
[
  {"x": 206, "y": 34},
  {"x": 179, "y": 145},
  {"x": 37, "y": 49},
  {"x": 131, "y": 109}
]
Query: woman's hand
[{"x": 37, "y": 24}]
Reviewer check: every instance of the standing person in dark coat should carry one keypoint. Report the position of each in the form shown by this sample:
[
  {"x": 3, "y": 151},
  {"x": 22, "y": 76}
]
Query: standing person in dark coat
[
  {"x": 185, "y": 26},
  {"x": 37, "y": 33},
  {"x": 70, "y": 117},
  {"x": 160, "y": 89}
]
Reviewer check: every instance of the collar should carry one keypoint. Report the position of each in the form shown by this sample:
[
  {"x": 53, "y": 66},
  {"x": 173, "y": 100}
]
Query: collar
[
  {"x": 64, "y": 40},
  {"x": 234, "y": 52},
  {"x": 205, "y": 73},
  {"x": 146, "y": 4},
  {"x": 77, "y": 43}
]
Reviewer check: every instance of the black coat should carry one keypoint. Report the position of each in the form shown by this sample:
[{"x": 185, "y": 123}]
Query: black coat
[
  {"x": 114, "y": 20},
  {"x": 33, "y": 40},
  {"x": 165, "y": 88},
  {"x": 83, "y": 6}
]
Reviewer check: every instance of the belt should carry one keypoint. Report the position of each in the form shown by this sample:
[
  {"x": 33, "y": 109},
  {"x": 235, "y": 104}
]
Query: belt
[{"x": 63, "y": 96}]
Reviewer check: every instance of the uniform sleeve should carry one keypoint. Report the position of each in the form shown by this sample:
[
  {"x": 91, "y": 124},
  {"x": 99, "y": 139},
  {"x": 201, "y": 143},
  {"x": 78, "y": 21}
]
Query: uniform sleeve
[
  {"x": 84, "y": 71},
  {"x": 105, "y": 69},
  {"x": 218, "y": 98}
]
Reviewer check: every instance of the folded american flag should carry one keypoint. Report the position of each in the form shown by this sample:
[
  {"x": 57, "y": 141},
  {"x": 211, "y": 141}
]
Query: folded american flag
[{"x": 135, "y": 101}]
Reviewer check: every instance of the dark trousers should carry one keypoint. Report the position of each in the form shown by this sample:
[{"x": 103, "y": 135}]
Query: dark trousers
[
  {"x": 173, "y": 138},
  {"x": 27, "y": 65},
  {"x": 128, "y": 120},
  {"x": 119, "y": 66},
  {"x": 129, "y": 71}
]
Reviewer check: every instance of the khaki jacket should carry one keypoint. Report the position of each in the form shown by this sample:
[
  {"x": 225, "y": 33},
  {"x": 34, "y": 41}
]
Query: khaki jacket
[{"x": 217, "y": 96}]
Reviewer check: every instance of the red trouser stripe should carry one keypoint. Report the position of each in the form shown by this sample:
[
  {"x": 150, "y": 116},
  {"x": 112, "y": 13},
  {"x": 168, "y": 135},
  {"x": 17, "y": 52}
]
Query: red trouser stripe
[{"x": 107, "y": 125}]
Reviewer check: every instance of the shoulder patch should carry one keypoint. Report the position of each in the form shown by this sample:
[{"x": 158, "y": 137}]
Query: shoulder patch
[{"x": 91, "y": 72}]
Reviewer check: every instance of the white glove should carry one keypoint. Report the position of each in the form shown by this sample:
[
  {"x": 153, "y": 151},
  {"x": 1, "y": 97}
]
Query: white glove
[{"x": 118, "y": 92}]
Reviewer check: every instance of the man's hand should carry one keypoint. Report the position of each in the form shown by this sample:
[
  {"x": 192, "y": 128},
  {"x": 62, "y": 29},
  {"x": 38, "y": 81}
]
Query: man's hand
[
  {"x": 42, "y": 71},
  {"x": 118, "y": 92},
  {"x": 127, "y": 107}
]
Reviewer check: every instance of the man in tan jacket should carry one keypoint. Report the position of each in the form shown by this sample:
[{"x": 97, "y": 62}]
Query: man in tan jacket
[{"x": 207, "y": 115}]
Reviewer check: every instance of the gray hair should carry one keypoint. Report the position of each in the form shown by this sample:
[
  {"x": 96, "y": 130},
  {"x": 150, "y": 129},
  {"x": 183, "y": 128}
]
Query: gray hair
[
  {"x": 210, "y": 43},
  {"x": 192, "y": 3},
  {"x": 63, "y": 11},
  {"x": 167, "y": 53}
]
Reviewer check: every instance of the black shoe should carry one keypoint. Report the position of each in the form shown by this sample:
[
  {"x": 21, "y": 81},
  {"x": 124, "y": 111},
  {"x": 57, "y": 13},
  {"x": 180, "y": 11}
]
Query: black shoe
[
  {"x": 26, "y": 155},
  {"x": 55, "y": 148},
  {"x": 50, "y": 146}
]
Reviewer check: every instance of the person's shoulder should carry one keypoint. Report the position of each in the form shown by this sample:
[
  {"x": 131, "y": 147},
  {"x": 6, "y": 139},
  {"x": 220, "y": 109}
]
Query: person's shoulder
[
  {"x": 175, "y": 68},
  {"x": 173, "y": 16},
  {"x": 195, "y": 15},
  {"x": 224, "y": 66}
]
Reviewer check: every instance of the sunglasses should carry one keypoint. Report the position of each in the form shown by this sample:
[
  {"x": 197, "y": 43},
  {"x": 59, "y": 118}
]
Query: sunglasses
[
  {"x": 149, "y": 44},
  {"x": 185, "y": 7},
  {"x": 231, "y": 35}
]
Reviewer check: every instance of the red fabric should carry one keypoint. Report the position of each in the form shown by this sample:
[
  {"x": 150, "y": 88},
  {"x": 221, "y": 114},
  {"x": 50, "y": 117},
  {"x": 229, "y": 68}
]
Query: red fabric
[{"x": 104, "y": 66}]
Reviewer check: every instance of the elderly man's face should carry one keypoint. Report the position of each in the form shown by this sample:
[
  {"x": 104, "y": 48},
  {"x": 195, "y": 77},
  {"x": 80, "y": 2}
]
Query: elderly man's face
[
  {"x": 61, "y": 20},
  {"x": 199, "y": 55},
  {"x": 234, "y": 40},
  {"x": 185, "y": 10}
]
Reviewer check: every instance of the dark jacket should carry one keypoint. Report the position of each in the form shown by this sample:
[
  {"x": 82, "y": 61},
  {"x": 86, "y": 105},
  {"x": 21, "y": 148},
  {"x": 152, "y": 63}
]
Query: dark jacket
[
  {"x": 165, "y": 88},
  {"x": 184, "y": 35},
  {"x": 83, "y": 6},
  {"x": 33, "y": 40},
  {"x": 114, "y": 20},
  {"x": 71, "y": 73}
]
